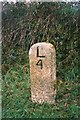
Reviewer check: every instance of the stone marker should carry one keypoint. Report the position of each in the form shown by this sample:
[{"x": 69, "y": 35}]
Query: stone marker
[{"x": 42, "y": 58}]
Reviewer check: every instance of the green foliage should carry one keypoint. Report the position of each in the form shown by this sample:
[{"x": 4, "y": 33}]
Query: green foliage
[
  {"x": 17, "y": 100},
  {"x": 57, "y": 23},
  {"x": 24, "y": 25}
]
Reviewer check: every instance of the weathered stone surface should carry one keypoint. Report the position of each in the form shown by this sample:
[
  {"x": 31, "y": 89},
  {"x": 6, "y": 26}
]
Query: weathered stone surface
[{"x": 42, "y": 72}]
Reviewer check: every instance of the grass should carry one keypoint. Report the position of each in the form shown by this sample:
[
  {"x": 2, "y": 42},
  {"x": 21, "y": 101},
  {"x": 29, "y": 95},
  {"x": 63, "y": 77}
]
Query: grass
[{"x": 16, "y": 100}]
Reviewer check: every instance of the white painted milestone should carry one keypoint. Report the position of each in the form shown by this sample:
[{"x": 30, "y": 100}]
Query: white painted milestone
[{"x": 42, "y": 57}]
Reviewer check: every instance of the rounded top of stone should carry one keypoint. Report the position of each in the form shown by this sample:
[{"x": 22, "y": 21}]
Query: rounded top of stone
[{"x": 47, "y": 46}]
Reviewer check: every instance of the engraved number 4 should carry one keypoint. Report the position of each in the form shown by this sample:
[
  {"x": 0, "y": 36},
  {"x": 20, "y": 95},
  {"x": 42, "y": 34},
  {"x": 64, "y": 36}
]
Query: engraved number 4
[{"x": 39, "y": 63}]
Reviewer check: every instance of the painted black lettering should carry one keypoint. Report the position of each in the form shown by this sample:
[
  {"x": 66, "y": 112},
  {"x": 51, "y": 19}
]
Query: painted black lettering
[
  {"x": 39, "y": 63},
  {"x": 38, "y": 52}
]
